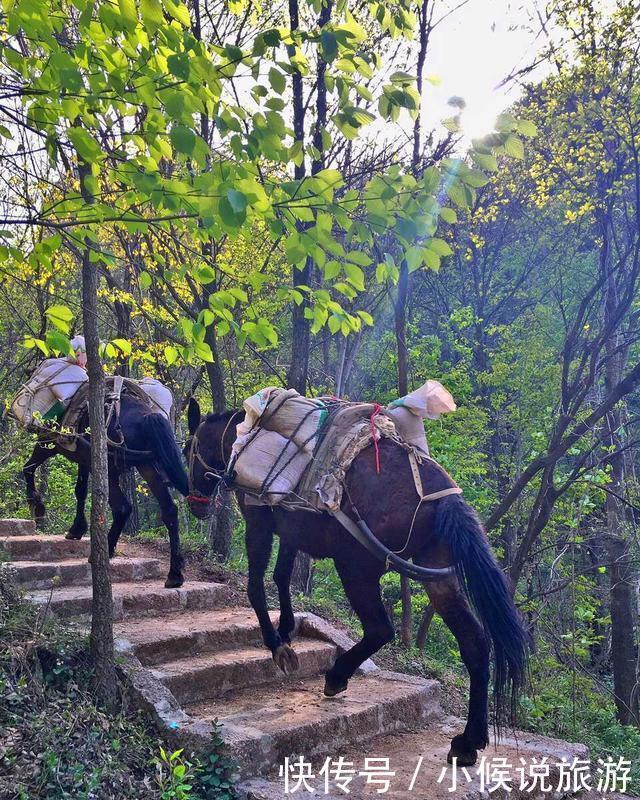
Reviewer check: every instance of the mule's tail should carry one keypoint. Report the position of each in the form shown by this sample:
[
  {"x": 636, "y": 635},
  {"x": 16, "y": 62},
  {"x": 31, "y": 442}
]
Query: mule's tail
[
  {"x": 486, "y": 587},
  {"x": 164, "y": 445}
]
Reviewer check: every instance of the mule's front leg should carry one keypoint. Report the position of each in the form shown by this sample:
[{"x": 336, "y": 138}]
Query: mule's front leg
[
  {"x": 120, "y": 510},
  {"x": 282, "y": 579},
  {"x": 362, "y": 587},
  {"x": 79, "y": 526},
  {"x": 259, "y": 541},
  {"x": 34, "y": 499}
]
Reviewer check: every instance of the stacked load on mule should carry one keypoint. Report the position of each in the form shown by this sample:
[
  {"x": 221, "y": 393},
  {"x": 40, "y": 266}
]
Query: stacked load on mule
[
  {"x": 295, "y": 451},
  {"x": 275, "y": 442},
  {"x": 408, "y": 412},
  {"x": 54, "y": 399},
  {"x": 47, "y": 394}
]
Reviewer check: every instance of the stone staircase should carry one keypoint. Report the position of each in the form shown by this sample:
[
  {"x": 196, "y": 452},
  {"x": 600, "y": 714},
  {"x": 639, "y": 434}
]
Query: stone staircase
[{"x": 189, "y": 657}]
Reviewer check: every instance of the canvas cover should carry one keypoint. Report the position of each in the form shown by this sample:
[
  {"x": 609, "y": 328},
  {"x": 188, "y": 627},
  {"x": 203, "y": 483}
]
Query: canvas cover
[
  {"x": 53, "y": 394},
  {"x": 275, "y": 442},
  {"x": 159, "y": 395},
  {"x": 295, "y": 451},
  {"x": 48, "y": 392}
]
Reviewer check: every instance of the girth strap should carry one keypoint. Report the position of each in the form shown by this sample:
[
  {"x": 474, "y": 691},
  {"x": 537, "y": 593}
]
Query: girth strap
[{"x": 424, "y": 498}]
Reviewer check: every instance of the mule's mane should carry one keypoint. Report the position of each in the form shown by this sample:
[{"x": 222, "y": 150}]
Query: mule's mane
[{"x": 221, "y": 416}]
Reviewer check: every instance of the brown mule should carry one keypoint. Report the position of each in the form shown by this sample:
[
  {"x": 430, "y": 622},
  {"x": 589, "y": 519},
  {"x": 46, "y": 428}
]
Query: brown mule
[
  {"x": 446, "y": 531},
  {"x": 150, "y": 446}
]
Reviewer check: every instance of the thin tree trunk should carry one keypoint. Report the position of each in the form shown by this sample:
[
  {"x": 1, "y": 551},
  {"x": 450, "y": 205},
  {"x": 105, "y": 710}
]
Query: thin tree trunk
[
  {"x": 102, "y": 608},
  {"x": 425, "y": 624},
  {"x": 621, "y": 572},
  {"x": 299, "y": 367},
  {"x": 298, "y": 374}
]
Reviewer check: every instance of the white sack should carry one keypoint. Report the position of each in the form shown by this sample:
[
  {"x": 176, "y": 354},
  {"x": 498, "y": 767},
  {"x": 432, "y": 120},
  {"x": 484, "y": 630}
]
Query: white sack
[
  {"x": 54, "y": 381},
  {"x": 159, "y": 395},
  {"x": 428, "y": 402},
  {"x": 255, "y": 462},
  {"x": 410, "y": 427},
  {"x": 286, "y": 412}
]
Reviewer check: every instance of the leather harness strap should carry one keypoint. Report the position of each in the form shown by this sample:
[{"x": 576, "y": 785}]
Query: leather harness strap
[{"x": 425, "y": 498}]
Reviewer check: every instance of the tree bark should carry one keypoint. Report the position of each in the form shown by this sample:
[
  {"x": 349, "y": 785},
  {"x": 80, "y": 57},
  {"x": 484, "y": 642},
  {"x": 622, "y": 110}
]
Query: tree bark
[
  {"x": 621, "y": 572},
  {"x": 425, "y": 624},
  {"x": 298, "y": 372},
  {"x": 102, "y": 609}
]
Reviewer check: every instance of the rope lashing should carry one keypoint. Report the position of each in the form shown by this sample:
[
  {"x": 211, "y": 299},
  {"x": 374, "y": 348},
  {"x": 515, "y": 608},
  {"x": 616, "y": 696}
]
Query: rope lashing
[{"x": 376, "y": 410}]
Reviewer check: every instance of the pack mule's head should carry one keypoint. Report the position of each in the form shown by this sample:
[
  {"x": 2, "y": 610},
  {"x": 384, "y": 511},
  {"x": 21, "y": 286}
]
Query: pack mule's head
[{"x": 204, "y": 455}]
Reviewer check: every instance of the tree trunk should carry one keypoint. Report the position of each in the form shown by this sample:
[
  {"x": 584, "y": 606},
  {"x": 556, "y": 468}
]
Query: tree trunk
[
  {"x": 221, "y": 529},
  {"x": 128, "y": 484},
  {"x": 425, "y": 624},
  {"x": 621, "y": 572},
  {"x": 102, "y": 608}
]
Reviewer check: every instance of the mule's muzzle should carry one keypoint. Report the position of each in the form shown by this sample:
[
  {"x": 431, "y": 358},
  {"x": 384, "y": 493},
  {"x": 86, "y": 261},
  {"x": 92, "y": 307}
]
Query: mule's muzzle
[{"x": 200, "y": 506}]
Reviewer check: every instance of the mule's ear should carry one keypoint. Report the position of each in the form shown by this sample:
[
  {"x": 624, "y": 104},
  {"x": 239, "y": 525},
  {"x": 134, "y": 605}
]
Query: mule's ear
[{"x": 193, "y": 415}]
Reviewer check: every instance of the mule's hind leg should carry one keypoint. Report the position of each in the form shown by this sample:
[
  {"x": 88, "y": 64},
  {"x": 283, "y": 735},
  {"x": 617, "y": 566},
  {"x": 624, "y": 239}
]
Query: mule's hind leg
[
  {"x": 34, "y": 499},
  {"x": 79, "y": 526},
  {"x": 120, "y": 510},
  {"x": 169, "y": 512},
  {"x": 362, "y": 586},
  {"x": 449, "y": 601},
  {"x": 282, "y": 579}
]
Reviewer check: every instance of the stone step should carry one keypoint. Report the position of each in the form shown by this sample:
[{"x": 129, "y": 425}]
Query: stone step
[
  {"x": 263, "y": 726},
  {"x": 418, "y": 761},
  {"x": 44, "y": 548},
  {"x": 216, "y": 674},
  {"x": 189, "y": 633},
  {"x": 17, "y": 527},
  {"x": 142, "y": 598},
  {"x": 77, "y": 572}
]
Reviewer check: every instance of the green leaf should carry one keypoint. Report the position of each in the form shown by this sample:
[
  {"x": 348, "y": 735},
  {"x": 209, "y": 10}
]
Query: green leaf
[
  {"x": 448, "y": 215},
  {"x": 277, "y": 80},
  {"x": 60, "y": 317},
  {"x": 178, "y": 11},
  {"x": 228, "y": 213},
  {"x": 355, "y": 276},
  {"x": 58, "y": 341},
  {"x": 178, "y": 64},
  {"x": 237, "y": 200},
  {"x": 152, "y": 14},
  {"x": 485, "y": 161},
  {"x": 440, "y": 247},
  {"x": 170, "y": 355},
  {"x": 85, "y": 145},
  {"x": 358, "y": 257},
  {"x": 527, "y": 128},
  {"x": 145, "y": 280},
  {"x": 183, "y": 139},
  {"x": 123, "y": 345},
  {"x": 129, "y": 13},
  {"x": 514, "y": 147}
]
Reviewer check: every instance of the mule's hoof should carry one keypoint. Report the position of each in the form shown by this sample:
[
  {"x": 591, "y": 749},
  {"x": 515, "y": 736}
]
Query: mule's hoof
[
  {"x": 174, "y": 582},
  {"x": 73, "y": 537},
  {"x": 285, "y": 658},
  {"x": 331, "y": 690},
  {"x": 465, "y": 755}
]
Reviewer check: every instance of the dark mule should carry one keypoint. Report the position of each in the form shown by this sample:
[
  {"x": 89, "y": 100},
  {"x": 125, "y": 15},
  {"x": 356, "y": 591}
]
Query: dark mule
[
  {"x": 445, "y": 532},
  {"x": 150, "y": 446}
]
